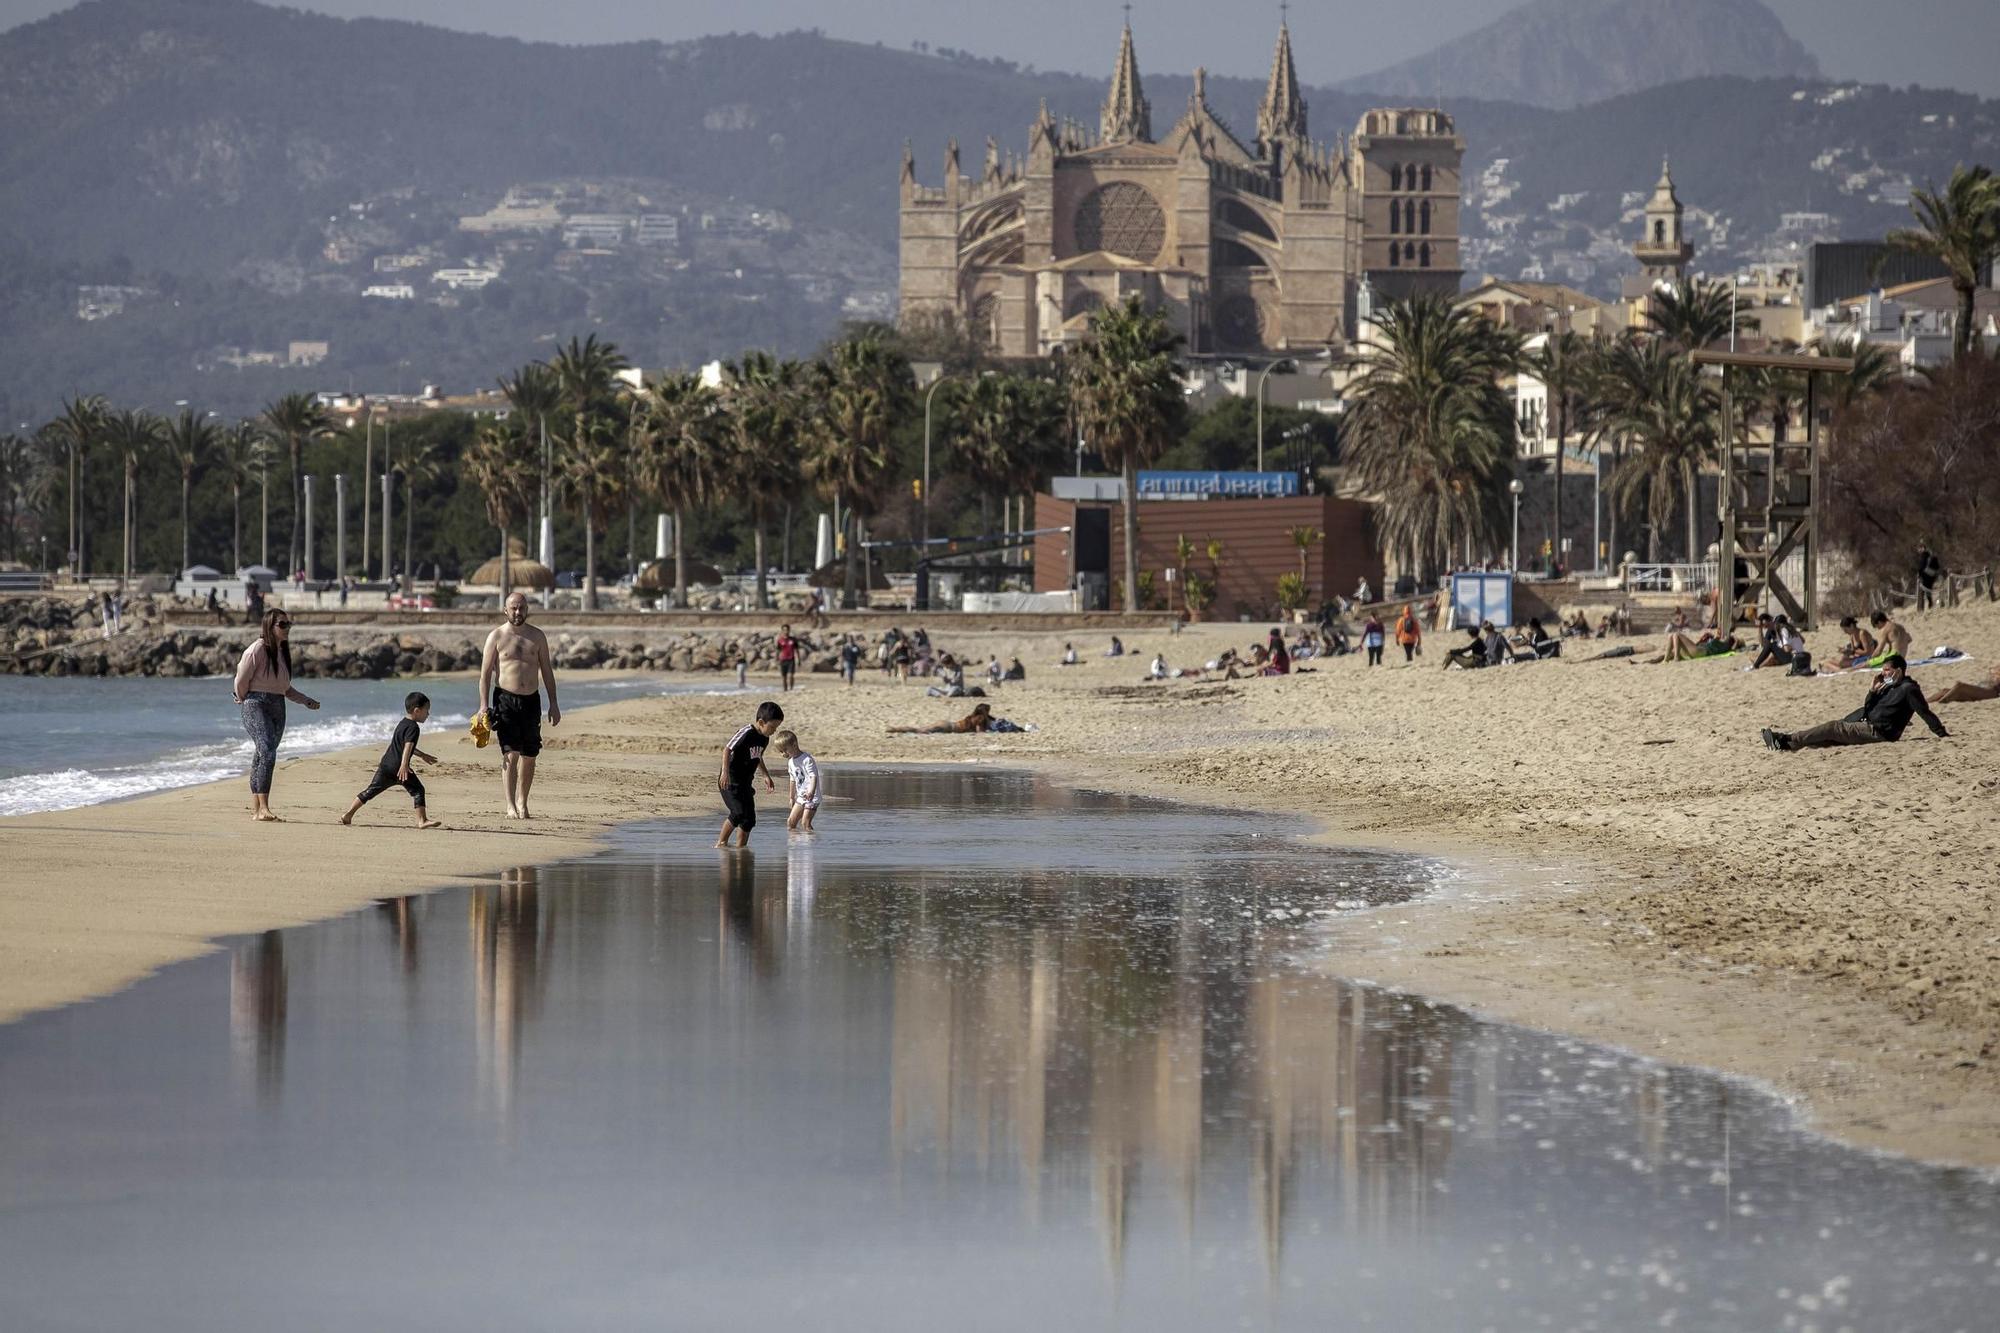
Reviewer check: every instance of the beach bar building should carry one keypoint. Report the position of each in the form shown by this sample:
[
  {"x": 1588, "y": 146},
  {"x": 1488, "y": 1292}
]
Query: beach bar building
[{"x": 1082, "y": 541}]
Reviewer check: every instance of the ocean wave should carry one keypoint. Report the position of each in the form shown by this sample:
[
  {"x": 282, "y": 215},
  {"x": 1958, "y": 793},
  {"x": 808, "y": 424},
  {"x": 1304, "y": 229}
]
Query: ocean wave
[{"x": 66, "y": 789}]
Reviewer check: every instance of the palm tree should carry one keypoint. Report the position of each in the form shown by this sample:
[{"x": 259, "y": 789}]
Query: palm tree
[
  {"x": 22, "y": 474},
  {"x": 766, "y": 413},
  {"x": 534, "y": 394},
  {"x": 132, "y": 434},
  {"x": 863, "y": 389},
  {"x": 1658, "y": 401},
  {"x": 1432, "y": 432},
  {"x": 1700, "y": 315},
  {"x": 677, "y": 461},
  {"x": 500, "y": 469},
  {"x": 421, "y": 463},
  {"x": 1008, "y": 434},
  {"x": 80, "y": 426},
  {"x": 1961, "y": 229},
  {"x": 592, "y": 475},
  {"x": 1304, "y": 538},
  {"x": 191, "y": 437},
  {"x": 1125, "y": 392},
  {"x": 1562, "y": 364},
  {"x": 244, "y": 455},
  {"x": 297, "y": 420},
  {"x": 1874, "y": 368}
]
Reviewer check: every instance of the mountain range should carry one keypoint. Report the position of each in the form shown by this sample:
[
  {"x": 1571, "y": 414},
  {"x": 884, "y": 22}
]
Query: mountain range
[
  {"x": 1566, "y": 53},
  {"x": 238, "y": 168}
]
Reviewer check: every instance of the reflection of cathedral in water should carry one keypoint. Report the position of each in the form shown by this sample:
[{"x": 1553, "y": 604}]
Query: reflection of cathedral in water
[{"x": 1075, "y": 1060}]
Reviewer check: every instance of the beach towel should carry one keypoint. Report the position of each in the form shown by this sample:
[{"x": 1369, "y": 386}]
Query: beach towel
[{"x": 1935, "y": 659}]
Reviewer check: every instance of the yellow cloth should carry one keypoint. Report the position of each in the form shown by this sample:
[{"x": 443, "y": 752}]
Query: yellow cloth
[{"x": 482, "y": 735}]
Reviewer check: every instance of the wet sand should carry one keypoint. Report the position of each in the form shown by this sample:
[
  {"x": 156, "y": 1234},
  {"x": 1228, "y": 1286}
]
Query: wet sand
[{"x": 1639, "y": 869}]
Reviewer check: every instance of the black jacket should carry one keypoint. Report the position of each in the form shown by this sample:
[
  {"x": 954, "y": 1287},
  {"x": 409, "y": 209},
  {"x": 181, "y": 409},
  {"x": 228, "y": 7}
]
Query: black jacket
[{"x": 1888, "y": 709}]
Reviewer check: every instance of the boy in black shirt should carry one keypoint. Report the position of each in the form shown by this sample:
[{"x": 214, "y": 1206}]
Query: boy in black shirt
[
  {"x": 741, "y": 759},
  {"x": 394, "y": 770}
]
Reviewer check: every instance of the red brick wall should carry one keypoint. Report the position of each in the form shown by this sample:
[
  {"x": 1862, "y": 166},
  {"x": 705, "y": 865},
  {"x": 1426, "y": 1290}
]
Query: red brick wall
[{"x": 1255, "y": 549}]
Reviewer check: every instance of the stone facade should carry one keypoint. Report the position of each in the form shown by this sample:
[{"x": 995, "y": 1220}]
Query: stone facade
[{"x": 1249, "y": 249}]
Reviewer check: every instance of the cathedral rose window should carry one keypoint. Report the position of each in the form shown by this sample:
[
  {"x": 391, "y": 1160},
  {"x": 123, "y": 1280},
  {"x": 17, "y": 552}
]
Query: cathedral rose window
[{"x": 1121, "y": 218}]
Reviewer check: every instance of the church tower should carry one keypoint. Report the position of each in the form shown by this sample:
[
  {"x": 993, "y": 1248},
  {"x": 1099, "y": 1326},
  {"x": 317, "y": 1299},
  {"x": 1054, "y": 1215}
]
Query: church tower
[
  {"x": 1281, "y": 119},
  {"x": 1128, "y": 116},
  {"x": 1663, "y": 250}
]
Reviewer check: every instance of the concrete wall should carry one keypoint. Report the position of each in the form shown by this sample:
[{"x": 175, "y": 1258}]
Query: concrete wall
[{"x": 1255, "y": 548}]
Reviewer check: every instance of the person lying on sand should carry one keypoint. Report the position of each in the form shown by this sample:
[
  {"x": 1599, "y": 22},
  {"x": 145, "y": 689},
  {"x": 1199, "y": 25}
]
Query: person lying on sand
[
  {"x": 1681, "y": 648},
  {"x": 979, "y": 719},
  {"x": 1971, "y": 692},
  {"x": 1892, "y": 700}
]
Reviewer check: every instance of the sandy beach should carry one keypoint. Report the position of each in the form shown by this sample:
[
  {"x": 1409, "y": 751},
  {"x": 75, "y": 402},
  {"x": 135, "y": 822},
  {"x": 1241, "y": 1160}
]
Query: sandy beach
[{"x": 1636, "y": 867}]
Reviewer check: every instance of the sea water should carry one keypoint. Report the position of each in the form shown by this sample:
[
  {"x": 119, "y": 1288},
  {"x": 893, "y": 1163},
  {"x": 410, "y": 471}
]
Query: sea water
[{"x": 72, "y": 741}]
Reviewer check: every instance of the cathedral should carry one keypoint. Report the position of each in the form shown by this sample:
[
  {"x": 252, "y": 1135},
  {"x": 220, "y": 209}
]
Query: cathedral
[{"x": 1259, "y": 248}]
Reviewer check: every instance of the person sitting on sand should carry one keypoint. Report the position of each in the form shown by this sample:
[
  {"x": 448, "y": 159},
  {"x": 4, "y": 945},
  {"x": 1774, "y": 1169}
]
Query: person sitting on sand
[
  {"x": 1069, "y": 657},
  {"x": 1678, "y": 622},
  {"x": 1860, "y": 646},
  {"x": 1890, "y": 637},
  {"x": 1473, "y": 653},
  {"x": 1280, "y": 661},
  {"x": 994, "y": 671},
  {"x": 1772, "y": 650},
  {"x": 1117, "y": 648},
  {"x": 979, "y": 719},
  {"x": 1971, "y": 692},
  {"x": 951, "y": 679},
  {"x": 1577, "y": 626},
  {"x": 1158, "y": 671},
  {"x": 1498, "y": 651},
  {"x": 1892, "y": 700},
  {"x": 1015, "y": 671},
  {"x": 1540, "y": 641}
]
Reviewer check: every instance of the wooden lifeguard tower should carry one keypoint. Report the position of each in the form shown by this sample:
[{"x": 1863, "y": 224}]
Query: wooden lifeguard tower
[{"x": 1770, "y": 493}]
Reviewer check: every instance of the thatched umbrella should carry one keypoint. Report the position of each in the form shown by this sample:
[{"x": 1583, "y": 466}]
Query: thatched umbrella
[
  {"x": 658, "y": 576},
  {"x": 525, "y": 573}
]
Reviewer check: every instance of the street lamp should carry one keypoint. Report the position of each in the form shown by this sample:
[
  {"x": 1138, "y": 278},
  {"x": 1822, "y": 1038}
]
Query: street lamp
[
  {"x": 1515, "y": 487},
  {"x": 1290, "y": 365},
  {"x": 929, "y": 393}
]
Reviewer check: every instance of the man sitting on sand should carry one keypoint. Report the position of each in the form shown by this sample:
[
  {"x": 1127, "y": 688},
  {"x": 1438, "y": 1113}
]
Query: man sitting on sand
[
  {"x": 1473, "y": 653},
  {"x": 1890, "y": 636},
  {"x": 514, "y": 662},
  {"x": 1972, "y": 692},
  {"x": 1771, "y": 650},
  {"x": 1883, "y": 715}
]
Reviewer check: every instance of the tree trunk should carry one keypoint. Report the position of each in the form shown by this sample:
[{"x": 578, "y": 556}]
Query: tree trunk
[
  {"x": 1692, "y": 480},
  {"x": 680, "y": 563},
  {"x": 367, "y": 496},
  {"x": 82, "y": 517},
  {"x": 589, "y": 560},
  {"x": 297, "y": 547},
  {"x": 849, "y": 557},
  {"x": 409, "y": 526},
  {"x": 1961, "y": 334},
  {"x": 1130, "y": 510},
  {"x": 506, "y": 566},
  {"x": 125, "y": 563},
  {"x": 763, "y": 584},
  {"x": 236, "y": 525},
  {"x": 1562, "y": 435},
  {"x": 785, "y": 546},
  {"x": 187, "y": 483}
]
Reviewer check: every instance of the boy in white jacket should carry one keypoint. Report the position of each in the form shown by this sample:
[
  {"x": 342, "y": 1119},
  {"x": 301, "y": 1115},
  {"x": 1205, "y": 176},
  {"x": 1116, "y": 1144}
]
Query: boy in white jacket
[{"x": 804, "y": 772}]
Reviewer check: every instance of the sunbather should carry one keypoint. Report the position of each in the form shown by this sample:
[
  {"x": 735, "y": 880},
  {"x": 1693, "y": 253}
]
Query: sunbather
[{"x": 1971, "y": 692}]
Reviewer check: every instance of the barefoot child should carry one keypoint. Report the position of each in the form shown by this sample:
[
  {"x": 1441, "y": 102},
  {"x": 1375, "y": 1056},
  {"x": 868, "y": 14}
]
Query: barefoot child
[
  {"x": 741, "y": 760},
  {"x": 394, "y": 770},
  {"x": 804, "y": 772}
]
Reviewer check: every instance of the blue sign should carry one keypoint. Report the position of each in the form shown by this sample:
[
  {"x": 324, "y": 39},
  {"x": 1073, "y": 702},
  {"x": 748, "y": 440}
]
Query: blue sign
[{"x": 1200, "y": 485}]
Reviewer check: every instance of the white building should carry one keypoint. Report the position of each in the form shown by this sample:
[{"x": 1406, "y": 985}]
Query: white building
[
  {"x": 465, "y": 279},
  {"x": 391, "y": 291},
  {"x": 1915, "y": 320},
  {"x": 658, "y": 229},
  {"x": 597, "y": 228}
]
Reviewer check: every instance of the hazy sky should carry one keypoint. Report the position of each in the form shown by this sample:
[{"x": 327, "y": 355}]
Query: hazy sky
[{"x": 1940, "y": 43}]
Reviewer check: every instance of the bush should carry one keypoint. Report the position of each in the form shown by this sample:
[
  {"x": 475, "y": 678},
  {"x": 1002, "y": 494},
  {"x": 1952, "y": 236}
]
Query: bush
[
  {"x": 1199, "y": 593},
  {"x": 1292, "y": 592}
]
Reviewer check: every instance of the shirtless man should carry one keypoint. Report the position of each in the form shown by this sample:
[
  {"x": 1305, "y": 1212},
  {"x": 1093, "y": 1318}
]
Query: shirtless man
[
  {"x": 515, "y": 661},
  {"x": 1890, "y": 636}
]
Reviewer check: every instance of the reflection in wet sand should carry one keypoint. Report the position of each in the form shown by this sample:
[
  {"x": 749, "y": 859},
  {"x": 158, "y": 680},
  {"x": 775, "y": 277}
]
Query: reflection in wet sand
[
  {"x": 509, "y": 951},
  {"x": 257, "y": 1012}
]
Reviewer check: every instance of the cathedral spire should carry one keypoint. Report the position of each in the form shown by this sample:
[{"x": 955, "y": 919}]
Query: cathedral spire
[
  {"x": 1128, "y": 116},
  {"x": 1282, "y": 117}
]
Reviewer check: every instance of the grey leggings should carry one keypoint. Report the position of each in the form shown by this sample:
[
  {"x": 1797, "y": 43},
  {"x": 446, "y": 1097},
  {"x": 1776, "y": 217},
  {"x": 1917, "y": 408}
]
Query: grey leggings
[{"x": 264, "y": 723}]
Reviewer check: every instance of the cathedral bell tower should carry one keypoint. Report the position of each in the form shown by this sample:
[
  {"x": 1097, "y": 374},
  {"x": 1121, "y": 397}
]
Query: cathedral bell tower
[
  {"x": 1663, "y": 250},
  {"x": 1281, "y": 118}
]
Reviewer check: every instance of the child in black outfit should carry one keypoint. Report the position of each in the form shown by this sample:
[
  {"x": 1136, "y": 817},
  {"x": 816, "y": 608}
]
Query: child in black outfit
[
  {"x": 741, "y": 759},
  {"x": 394, "y": 770}
]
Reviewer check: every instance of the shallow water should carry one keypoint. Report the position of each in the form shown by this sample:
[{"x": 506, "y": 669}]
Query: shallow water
[
  {"x": 985, "y": 1054},
  {"x": 74, "y": 741}
]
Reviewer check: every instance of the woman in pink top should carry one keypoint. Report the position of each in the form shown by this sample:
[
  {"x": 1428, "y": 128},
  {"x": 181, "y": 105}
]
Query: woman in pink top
[{"x": 263, "y": 683}]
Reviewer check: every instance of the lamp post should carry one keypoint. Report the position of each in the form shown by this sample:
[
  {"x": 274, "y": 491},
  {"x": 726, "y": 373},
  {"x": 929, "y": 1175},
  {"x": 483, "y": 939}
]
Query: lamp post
[
  {"x": 1283, "y": 363},
  {"x": 387, "y": 477},
  {"x": 926, "y": 498},
  {"x": 339, "y": 525},
  {"x": 1515, "y": 488}
]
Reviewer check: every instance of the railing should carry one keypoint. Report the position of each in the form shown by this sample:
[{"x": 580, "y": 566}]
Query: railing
[{"x": 1691, "y": 578}]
